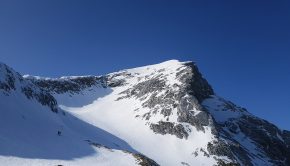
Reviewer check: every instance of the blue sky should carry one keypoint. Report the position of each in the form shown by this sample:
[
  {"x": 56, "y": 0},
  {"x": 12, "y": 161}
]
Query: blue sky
[{"x": 241, "y": 47}]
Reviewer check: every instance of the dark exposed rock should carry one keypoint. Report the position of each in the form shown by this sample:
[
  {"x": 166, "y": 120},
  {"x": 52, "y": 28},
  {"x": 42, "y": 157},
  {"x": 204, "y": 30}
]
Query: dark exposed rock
[
  {"x": 149, "y": 86},
  {"x": 43, "y": 97},
  {"x": 286, "y": 137},
  {"x": 115, "y": 83},
  {"x": 186, "y": 99},
  {"x": 232, "y": 150},
  {"x": 187, "y": 102},
  {"x": 169, "y": 128},
  {"x": 10, "y": 78},
  {"x": 199, "y": 120},
  {"x": 30, "y": 90},
  {"x": 204, "y": 152},
  {"x": 219, "y": 148},
  {"x": 166, "y": 112},
  {"x": 7, "y": 87},
  {"x": 268, "y": 140},
  {"x": 153, "y": 101},
  {"x": 222, "y": 163},
  {"x": 196, "y": 85},
  {"x": 71, "y": 85},
  {"x": 147, "y": 115},
  {"x": 265, "y": 136},
  {"x": 240, "y": 154},
  {"x": 144, "y": 161},
  {"x": 233, "y": 127}
]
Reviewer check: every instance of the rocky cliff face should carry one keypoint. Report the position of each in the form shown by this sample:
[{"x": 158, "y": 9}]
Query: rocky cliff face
[
  {"x": 172, "y": 100},
  {"x": 13, "y": 82}
]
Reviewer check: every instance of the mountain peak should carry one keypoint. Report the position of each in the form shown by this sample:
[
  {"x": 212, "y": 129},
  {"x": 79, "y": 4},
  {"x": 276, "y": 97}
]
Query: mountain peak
[{"x": 167, "y": 112}]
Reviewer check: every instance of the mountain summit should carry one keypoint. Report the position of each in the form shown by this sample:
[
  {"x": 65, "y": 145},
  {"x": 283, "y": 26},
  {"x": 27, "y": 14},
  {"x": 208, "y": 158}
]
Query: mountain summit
[{"x": 164, "y": 114}]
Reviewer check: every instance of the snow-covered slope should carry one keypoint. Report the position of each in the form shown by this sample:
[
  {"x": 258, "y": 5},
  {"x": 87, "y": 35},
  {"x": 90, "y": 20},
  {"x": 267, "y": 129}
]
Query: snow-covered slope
[
  {"x": 167, "y": 112},
  {"x": 35, "y": 132}
]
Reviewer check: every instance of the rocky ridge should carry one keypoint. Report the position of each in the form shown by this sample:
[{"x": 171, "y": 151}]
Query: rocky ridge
[
  {"x": 11, "y": 81},
  {"x": 177, "y": 100}
]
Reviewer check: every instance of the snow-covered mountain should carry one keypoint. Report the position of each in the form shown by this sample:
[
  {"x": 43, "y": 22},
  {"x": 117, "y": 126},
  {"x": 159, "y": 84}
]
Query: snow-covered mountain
[{"x": 163, "y": 114}]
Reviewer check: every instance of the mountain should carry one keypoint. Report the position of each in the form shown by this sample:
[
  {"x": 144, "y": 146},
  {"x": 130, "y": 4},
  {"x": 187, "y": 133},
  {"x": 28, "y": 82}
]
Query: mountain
[{"x": 163, "y": 114}]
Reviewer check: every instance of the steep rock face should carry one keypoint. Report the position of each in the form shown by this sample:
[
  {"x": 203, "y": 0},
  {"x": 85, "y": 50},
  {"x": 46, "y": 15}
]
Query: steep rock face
[
  {"x": 250, "y": 140},
  {"x": 7, "y": 78},
  {"x": 68, "y": 84},
  {"x": 266, "y": 137},
  {"x": 167, "y": 92},
  {"x": 13, "y": 82},
  {"x": 195, "y": 84}
]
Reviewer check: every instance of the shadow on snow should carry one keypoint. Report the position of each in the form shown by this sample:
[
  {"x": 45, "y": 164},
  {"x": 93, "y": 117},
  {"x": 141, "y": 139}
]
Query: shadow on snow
[{"x": 32, "y": 131}]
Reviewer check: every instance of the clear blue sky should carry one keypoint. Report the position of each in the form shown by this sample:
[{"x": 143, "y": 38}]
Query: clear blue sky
[{"x": 242, "y": 47}]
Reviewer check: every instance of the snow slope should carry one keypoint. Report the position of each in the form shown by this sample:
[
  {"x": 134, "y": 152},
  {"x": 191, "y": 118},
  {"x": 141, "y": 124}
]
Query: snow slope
[
  {"x": 29, "y": 132},
  {"x": 119, "y": 117},
  {"x": 167, "y": 112}
]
